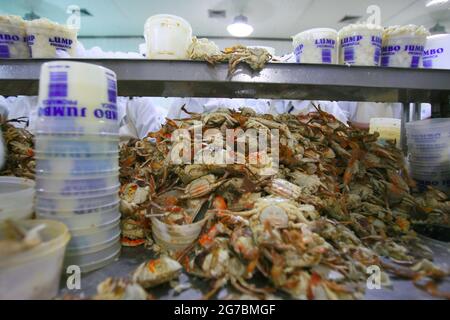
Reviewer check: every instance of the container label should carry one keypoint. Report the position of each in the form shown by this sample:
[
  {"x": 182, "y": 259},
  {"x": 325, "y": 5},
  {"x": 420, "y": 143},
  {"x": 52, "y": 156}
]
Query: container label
[
  {"x": 351, "y": 43},
  {"x": 430, "y": 55},
  {"x": 326, "y": 56},
  {"x": 415, "y": 51},
  {"x": 61, "y": 43},
  {"x": 5, "y": 41},
  {"x": 59, "y": 106},
  {"x": 298, "y": 52},
  {"x": 4, "y": 51}
]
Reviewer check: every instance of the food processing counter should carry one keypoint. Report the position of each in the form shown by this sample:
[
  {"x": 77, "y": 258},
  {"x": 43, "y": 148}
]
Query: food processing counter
[{"x": 194, "y": 288}]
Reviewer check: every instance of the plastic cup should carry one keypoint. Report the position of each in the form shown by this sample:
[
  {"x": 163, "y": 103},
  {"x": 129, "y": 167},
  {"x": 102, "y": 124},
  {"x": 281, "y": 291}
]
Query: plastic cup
[
  {"x": 77, "y": 98},
  {"x": 85, "y": 221},
  {"x": 80, "y": 185},
  {"x": 87, "y": 256},
  {"x": 74, "y": 212},
  {"x": 76, "y": 203},
  {"x": 75, "y": 147},
  {"x": 167, "y": 37},
  {"x": 316, "y": 46},
  {"x": 67, "y": 168},
  {"x": 16, "y": 198},
  {"x": 93, "y": 236},
  {"x": 38, "y": 268}
]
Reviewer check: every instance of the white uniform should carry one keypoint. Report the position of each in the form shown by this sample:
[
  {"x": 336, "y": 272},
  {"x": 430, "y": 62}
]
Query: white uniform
[{"x": 142, "y": 115}]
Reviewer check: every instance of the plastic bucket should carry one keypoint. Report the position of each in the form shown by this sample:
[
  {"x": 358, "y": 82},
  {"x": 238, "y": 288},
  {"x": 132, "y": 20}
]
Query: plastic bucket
[
  {"x": 76, "y": 203},
  {"x": 316, "y": 46},
  {"x": 85, "y": 221},
  {"x": 360, "y": 45},
  {"x": 83, "y": 257},
  {"x": 74, "y": 212},
  {"x": 403, "y": 46},
  {"x": 16, "y": 197},
  {"x": 71, "y": 148},
  {"x": 99, "y": 264},
  {"x": 76, "y": 167},
  {"x": 13, "y": 44},
  {"x": 76, "y": 185},
  {"x": 47, "y": 39},
  {"x": 167, "y": 37},
  {"x": 35, "y": 273},
  {"x": 93, "y": 236},
  {"x": 77, "y": 98},
  {"x": 437, "y": 52}
]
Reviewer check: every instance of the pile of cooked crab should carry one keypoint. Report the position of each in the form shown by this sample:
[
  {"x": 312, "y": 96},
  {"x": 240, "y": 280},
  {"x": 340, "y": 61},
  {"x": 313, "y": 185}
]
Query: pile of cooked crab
[
  {"x": 19, "y": 145},
  {"x": 337, "y": 204}
]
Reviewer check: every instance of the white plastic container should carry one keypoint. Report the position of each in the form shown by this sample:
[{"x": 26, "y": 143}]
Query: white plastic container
[
  {"x": 85, "y": 221},
  {"x": 13, "y": 34},
  {"x": 77, "y": 167},
  {"x": 99, "y": 264},
  {"x": 85, "y": 256},
  {"x": 76, "y": 203},
  {"x": 48, "y": 39},
  {"x": 93, "y": 236},
  {"x": 403, "y": 46},
  {"x": 167, "y": 37},
  {"x": 437, "y": 52},
  {"x": 75, "y": 148},
  {"x": 176, "y": 237},
  {"x": 316, "y": 46},
  {"x": 81, "y": 185},
  {"x": 360, "y": 45},
  {"x": 16, "y": 198},
  {"x": 77, "y": 98},
  {"x": 74, "y": 212},
  {"x": 35, "y": 273}
]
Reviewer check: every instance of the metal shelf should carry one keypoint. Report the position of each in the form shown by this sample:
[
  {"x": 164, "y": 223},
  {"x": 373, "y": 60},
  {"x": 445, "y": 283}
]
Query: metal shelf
[{"x": 275, "y": 81}]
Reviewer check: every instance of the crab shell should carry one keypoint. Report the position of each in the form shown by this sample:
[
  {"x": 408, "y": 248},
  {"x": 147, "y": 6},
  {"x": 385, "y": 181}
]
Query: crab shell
[{"x": 157, "y": 271}]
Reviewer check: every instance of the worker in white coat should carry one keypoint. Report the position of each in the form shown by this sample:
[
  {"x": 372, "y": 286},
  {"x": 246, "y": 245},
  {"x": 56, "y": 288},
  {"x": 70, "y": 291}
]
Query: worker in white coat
[{"x": 140, "y": 115}]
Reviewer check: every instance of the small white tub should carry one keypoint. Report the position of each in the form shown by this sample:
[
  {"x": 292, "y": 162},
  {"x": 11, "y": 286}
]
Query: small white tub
[
  {"x": 403, "y": 46},
  {"x": 437, "y": 52},
  {"x": 16, "y": 198},
  {"x": 167, "y": 37},
  {"x": 360, "y": 45},
  {"x": 316, "y": 46},
  {"x": 35, "y": 273}
]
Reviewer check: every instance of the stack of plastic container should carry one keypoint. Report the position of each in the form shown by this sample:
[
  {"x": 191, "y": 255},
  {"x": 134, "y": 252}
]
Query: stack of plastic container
[
  {"x": 77, "y": 159},
  {"x": 429, "y": 153}
]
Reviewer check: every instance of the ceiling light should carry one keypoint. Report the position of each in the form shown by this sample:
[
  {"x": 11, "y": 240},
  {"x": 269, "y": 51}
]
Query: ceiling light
[
  {"x": 435, "y": 2},
  {"x": 240, "y": 27}
]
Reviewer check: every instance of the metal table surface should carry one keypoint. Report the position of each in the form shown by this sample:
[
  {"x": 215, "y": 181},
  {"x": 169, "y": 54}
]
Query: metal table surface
[
  {"x": 276, "y": 81},
  {"x": 131, "y": 257}
]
